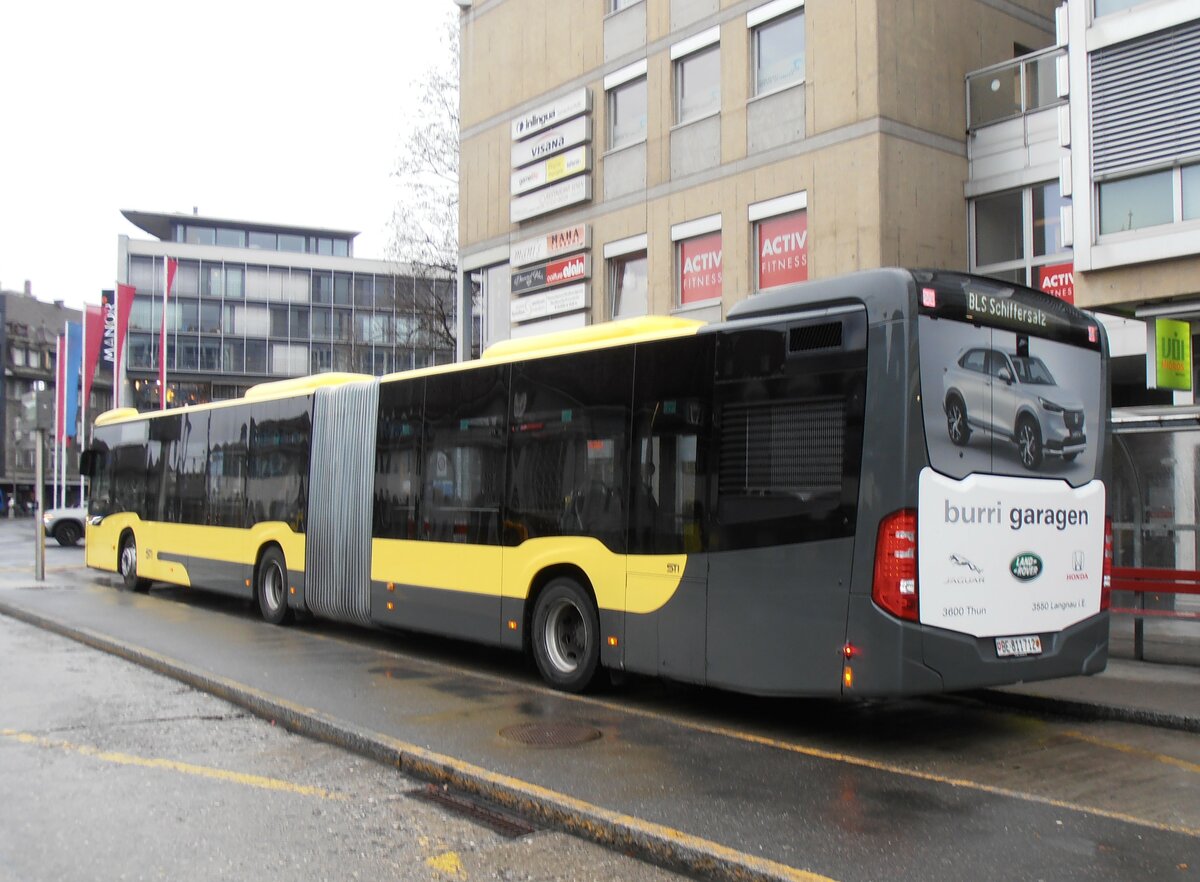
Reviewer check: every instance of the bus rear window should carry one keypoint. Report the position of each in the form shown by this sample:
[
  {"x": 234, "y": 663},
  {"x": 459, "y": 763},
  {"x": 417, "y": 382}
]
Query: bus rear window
[{"x": 1011, "y": 383}]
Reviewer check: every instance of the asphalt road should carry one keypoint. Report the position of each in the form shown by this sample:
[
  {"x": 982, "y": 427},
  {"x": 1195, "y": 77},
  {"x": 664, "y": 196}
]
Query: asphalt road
[
  {"x": 932, "y": 789},
  {"x": 110, "y": 771}
]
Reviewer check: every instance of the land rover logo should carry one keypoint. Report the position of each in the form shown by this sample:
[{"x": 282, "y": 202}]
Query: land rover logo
[{"x": 1026, "y": 566}]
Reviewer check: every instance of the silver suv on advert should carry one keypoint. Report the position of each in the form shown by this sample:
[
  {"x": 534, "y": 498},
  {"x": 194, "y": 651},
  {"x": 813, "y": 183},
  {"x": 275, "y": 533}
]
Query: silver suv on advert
[{"x": 1013, "y": 397}]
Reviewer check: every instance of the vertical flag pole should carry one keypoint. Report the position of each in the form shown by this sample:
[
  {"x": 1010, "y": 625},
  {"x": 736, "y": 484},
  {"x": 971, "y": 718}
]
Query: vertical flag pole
[
  {"x": 170, "y": 264},
  {"x": 58, "y": 410},
  {"x": 162, "y": 338},
  {"x": 62, "y": 441},
  {"x": 83, "y": 405}
]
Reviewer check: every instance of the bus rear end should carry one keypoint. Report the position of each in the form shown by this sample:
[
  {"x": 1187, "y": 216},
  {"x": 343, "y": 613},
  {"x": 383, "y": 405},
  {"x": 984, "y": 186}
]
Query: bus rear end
[{"x": 996, "y": 570}]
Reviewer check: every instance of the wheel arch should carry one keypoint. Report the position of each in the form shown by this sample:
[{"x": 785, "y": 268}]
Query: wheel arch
[{"x": 1027, "y": 411}]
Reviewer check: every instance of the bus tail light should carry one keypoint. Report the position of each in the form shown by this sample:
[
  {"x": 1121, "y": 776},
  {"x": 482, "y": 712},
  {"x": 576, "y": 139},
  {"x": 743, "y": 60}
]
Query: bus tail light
[
  {"x": 1106, "y": 578},
  {"x": 895, "y": 585}
]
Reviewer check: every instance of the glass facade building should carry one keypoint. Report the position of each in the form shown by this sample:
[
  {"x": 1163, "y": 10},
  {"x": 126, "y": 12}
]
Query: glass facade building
[{"x": 251, "y": 303}]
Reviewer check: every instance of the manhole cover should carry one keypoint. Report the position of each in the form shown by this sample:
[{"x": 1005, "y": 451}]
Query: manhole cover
[{"x": 550, "y": 734}]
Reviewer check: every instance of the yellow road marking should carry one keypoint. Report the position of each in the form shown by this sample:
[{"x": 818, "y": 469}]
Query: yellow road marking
[
  {"x": 1137, "y": 751},
  {"x": 125, "y": 759},
  {"x": 448, "y": 865}
]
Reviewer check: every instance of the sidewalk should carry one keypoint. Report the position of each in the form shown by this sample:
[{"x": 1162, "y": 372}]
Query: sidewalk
[{"x": 1162, "y": 690}]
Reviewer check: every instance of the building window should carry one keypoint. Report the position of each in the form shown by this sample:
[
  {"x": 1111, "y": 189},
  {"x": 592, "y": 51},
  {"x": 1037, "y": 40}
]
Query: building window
[
  {"x": 699, "y": 272},
  {"x": 628, "y": 278},
  {"x": 1107, "y": 7},
  {"x": 201, "y": 236},
  {"x": 262, "y": 241},
  {"x": 1048, "y": 205},
  {"x": 618, "y": 5},
  {"x": 777, "y": 46},
  {"x": 1017, "y": 237},
  {"x": 17, "y": 353},
  {"x": 231, "y": 238},
  {"x": 1137, "y": 202},
  {"x": 291, "y": 242},
  {"x": 627, "y": 113},
  {"x": 1190, "y": 183},
  {"x": 698, "y": 84},
  {"x": 998, "y": 228},
  {"x": 781, "y": 242}
]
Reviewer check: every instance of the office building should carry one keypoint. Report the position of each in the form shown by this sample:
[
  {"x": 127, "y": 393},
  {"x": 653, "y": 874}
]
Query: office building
[{"x": 253, "y": 302}]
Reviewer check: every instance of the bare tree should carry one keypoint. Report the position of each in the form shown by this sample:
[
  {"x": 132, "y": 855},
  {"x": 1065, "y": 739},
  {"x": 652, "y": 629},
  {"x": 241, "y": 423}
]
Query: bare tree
[{"x": 425, "y": 222}]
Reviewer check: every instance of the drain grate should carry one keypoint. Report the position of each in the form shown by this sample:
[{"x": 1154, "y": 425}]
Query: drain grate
[
  {"x": 550, "y": 734},
  {"x": 507, "y": 825}
]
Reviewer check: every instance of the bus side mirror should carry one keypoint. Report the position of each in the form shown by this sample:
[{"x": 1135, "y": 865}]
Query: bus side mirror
[{"x": 87, "y": 463}]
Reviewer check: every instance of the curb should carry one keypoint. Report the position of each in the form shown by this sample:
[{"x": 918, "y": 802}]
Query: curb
[
  {"x": 645, "y": 840},
  {"x": 1087, "y": 710}
]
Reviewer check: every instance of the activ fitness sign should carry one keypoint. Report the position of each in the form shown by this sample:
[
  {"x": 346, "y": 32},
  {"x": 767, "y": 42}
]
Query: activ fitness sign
[
  {"x": 782, "y": 249},
  {"x": 1001, "y": 556}
]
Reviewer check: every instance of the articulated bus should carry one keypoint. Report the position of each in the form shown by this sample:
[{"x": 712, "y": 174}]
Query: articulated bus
[{"x": 880, "y": 484}]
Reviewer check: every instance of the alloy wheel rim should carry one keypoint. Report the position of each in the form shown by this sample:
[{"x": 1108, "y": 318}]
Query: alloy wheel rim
[
  {"x": 273, "y": 586},
  {"x": 565, "y": 636}
]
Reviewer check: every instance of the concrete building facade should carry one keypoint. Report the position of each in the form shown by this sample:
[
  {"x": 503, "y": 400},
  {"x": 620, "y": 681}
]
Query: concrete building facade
[{"x": 676, "y": 156}]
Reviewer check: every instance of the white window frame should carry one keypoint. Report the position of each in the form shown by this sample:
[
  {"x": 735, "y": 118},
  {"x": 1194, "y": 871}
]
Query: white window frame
[
  {"x": 612, "y": 252},
  {"x": 685, "y": 50},
  {"x": 613, "y": 81},
  {"x": 765, "y": 15}
]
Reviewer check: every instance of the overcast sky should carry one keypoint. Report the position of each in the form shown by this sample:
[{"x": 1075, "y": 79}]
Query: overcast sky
[{"x": 288, "y": 112}]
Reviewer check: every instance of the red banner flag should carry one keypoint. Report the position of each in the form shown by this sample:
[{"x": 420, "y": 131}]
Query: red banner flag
[
  {"x": 93, "y": 335},
  {"x": 60, "y": 389},
  {"x": 172, "y": 265}
]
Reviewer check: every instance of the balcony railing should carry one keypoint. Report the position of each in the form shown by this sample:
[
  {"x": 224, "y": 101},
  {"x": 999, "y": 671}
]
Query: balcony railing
[{"x": 1013, "y": 88}]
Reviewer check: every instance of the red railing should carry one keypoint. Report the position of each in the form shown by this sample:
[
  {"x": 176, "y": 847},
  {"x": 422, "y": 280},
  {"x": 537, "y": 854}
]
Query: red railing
[{"x": 1145, "y": 581}]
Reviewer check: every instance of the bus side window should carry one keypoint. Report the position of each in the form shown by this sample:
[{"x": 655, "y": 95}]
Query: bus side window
[
  {"x": 569, "y": 447},
  {"x": 672, "y": 426}
]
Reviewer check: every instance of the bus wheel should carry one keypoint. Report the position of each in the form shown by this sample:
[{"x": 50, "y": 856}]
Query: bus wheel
[
  {"x": 1029, "y": 443},
  {"x": 956, "y": 421},
  {"x": 272, "y": 587},
  {"x": 566, "y": 636},
  {"x": 127, "y": 566}
]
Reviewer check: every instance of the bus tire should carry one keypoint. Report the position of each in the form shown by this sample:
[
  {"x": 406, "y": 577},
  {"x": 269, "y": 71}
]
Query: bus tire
[
  {"x": 1029, "y": 442},
  {"x": 566, "y": 636},
  {"x": 271, "y": 587},
  {"x": 956, "y": 421},
  {"x": 127, "y": 566}
]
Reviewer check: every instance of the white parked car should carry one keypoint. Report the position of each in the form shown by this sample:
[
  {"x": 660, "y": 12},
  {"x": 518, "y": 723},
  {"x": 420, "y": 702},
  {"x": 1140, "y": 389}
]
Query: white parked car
[
  {"x": 65, "y": 524},
  {"x": 1013, "y": 397}
]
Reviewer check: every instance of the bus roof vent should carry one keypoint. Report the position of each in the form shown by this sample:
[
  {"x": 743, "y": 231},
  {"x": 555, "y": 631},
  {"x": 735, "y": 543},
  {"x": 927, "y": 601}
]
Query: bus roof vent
[{"x": 808, "y": 338}]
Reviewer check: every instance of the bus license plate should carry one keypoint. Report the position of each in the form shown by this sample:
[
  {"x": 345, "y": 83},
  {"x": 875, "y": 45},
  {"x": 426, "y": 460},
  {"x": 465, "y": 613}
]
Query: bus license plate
[{"x": 1011, "y": 647}]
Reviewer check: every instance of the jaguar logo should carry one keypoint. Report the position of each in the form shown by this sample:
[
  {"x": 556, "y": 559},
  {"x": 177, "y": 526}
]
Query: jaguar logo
[{"x": 1026, "y": 566}]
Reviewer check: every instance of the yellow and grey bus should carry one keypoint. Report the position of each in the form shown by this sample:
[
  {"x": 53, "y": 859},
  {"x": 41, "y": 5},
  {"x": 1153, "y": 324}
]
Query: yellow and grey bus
[{"x": 880, "y": 484}]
